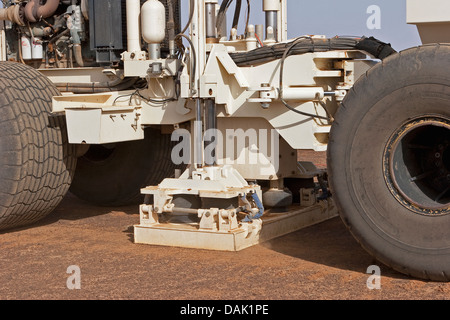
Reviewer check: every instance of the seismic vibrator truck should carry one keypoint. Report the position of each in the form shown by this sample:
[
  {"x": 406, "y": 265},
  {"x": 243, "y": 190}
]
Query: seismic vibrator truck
[{"x": 199, "y": 123}]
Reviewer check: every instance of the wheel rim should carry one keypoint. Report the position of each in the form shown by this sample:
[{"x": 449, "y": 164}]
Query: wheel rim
[{"x": 416, "y": 165}]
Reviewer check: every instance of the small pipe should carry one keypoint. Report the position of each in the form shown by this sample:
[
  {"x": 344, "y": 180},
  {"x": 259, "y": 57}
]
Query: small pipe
[
  {"x": 85, "y": 9},
  {"x": 133, "y": 11},
  {"x": 171, "y": 28},
  {"x": 20, "y": 49},
  {"x": 154, "y": 51},
  {"x": 259, "y": 31},
  {"x": 70, "y": 50},
  {"x": 78, "y": 55}
]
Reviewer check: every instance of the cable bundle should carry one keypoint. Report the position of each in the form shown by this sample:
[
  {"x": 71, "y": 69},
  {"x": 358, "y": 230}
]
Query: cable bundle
[{"x": 302, "y": 45}]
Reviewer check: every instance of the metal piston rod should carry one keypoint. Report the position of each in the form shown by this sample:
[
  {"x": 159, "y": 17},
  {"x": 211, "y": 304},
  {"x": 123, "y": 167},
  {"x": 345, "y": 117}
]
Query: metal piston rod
[
  {"x": 210, "y": 129},
  {"x": 205, "y": 126},
  {"x": 211, "y": 219}
]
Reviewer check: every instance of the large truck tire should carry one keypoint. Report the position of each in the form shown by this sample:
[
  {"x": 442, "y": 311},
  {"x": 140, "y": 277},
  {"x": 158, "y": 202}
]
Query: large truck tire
[
  {"x": 36, "y": 162},
  {"x": 389, "y": 162},
  {"x": 113, "y": 175}
]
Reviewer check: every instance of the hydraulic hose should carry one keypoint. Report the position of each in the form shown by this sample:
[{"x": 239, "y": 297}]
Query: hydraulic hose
[
  {"x": 97, "y": 87},
  {"x": 191, "y": 15},
  {"x": 221, "y": 15},
  {"x": 237, "y": 14},
  {"x": 302, "y": 45}
]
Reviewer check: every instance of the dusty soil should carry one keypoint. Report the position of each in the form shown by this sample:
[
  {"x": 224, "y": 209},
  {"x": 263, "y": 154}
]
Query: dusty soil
[{"x": 321, "y": 262}]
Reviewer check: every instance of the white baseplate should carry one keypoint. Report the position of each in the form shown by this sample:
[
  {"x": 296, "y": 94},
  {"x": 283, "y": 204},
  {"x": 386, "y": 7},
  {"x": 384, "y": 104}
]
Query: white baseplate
[{"x": 271, "y": 226}]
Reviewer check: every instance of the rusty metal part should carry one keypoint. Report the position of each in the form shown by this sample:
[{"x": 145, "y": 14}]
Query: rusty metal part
[
  {"x": 212, "y": 40},
  {"x": 14, "y": 14},
  {"x": 34, "y": 11}
]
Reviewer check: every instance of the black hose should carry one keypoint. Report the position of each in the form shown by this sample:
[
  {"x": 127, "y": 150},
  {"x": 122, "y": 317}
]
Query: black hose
[
  {"x": 302, "y": 45},
  {"x": 287, "y": 52},
  {"x": 375, "y": 47},
  {"x": 222, "y": 13},
  {"x": 191, "y": 15},
  {"x": 97, "y": 87},
  {"x": 237, "y": 14},
  {"x": 194, "y": 54},
  {"x": 248, "y": 15},
  {"x": 182, "y": 35},
  {"x": 63, "y": 33}
]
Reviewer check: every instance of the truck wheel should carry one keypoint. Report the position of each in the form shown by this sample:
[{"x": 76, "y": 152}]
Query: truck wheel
[
  {"x": 113, "y": 175},
  {"x": 36, "y": 162},
  {"x": 389, "y": 162}
]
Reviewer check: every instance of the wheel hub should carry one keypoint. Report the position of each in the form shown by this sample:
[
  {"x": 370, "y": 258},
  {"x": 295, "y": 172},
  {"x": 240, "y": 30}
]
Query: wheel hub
[{"x": 416, "y": 165}]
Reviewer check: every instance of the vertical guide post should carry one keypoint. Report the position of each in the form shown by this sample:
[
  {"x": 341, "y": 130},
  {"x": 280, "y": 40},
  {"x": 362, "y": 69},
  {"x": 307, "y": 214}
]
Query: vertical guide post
[
  {"x": 197, "y": 33},
  {"x": 203, "y": 25},
  {"x": 282, "y": 22},
  {"x": 210, "y": 127},
  {"x": 210, "y": 117},
  {"x": 198, "y": 135}
]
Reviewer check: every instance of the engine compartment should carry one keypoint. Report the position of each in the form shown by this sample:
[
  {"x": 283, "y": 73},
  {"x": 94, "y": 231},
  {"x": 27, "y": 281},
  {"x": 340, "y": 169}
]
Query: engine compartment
[{"x": 60, "y": 34}]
